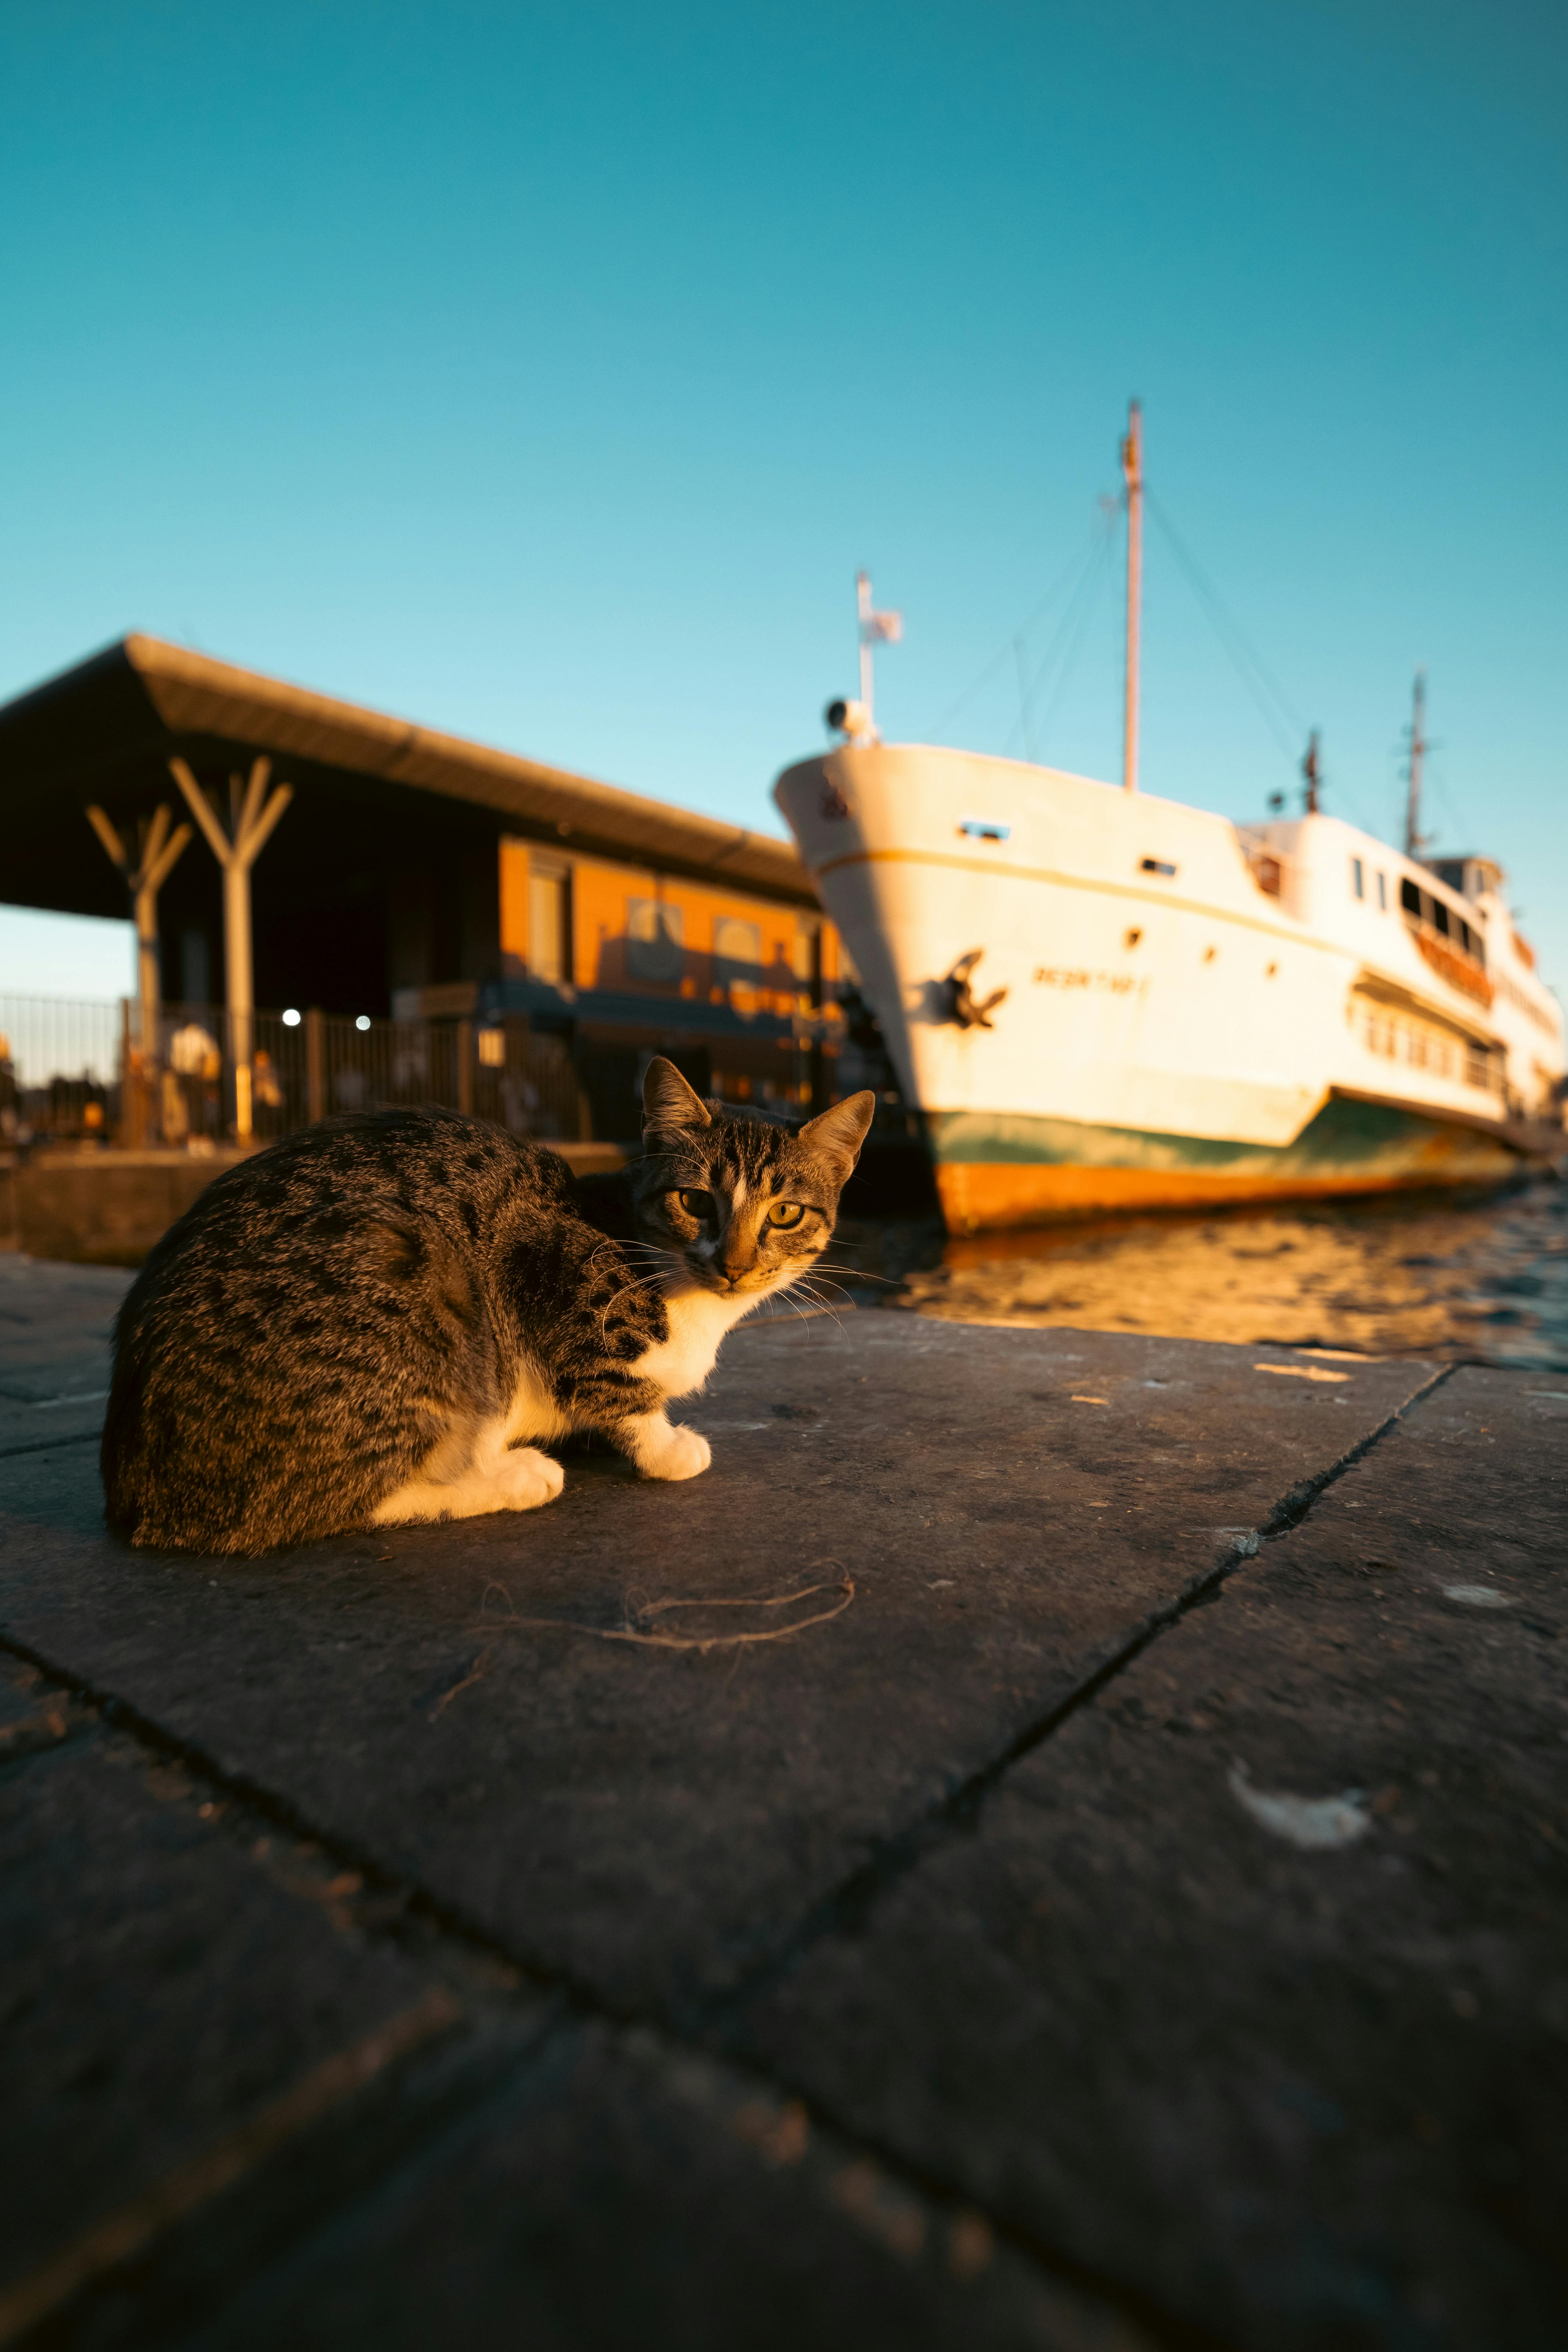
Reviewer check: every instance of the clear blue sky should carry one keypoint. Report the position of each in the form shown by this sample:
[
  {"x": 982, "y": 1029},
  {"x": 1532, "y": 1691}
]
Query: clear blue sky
[{"x": 544, "y": 373}]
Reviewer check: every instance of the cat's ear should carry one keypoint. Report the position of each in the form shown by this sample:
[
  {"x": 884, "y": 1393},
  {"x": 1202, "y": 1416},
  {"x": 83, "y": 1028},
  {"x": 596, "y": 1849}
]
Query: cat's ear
[
  {"x": 840, "y": 1132},
  {"x": 667, "y": 1101}
]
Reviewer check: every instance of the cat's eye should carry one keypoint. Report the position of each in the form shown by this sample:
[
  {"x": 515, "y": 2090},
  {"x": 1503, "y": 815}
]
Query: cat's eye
[
  {"x": 696, "y": 1205},
  {"x": 785, "y": 1214}
]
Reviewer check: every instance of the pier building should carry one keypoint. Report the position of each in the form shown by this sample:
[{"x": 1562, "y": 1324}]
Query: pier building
[{"x": 418, "y": 875}]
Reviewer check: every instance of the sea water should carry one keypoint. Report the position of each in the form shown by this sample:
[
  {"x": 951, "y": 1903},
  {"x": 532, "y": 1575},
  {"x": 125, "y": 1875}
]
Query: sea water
[{"x": 1479, "y": 1279}]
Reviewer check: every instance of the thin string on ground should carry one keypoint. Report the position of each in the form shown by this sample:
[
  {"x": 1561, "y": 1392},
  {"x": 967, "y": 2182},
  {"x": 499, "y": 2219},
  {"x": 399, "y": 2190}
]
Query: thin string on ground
[{"x": 514, "y": 1621}]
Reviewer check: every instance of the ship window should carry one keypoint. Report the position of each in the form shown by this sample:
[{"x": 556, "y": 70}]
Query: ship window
[
  {"x": 1409, "y": 896},
  {"x": 1358, "y": 878},
  {"x": 984, "y": 828},
  {"x": 1440, "y": 916},
  {"x": 1382, "y": 892},
  {"x": 1132, "y": 938},
  {"x": 1154, "y": 866}
]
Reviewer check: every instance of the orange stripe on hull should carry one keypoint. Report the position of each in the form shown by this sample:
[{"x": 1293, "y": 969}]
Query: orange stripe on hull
[{"x": 977, "y": 1196}]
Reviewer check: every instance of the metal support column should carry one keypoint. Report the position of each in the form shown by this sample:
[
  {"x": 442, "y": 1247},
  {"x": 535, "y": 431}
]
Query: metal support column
[{"x": 251, "y": 819}]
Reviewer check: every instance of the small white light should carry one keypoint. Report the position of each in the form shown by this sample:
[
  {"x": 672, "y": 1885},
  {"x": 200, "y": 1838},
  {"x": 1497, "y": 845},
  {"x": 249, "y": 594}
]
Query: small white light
[
  {"x": 290, "y": 1019},
  {"x": 363, "y": 1021}
]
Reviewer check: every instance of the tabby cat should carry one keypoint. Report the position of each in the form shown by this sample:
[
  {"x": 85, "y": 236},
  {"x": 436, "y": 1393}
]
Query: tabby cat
[{"x": 384, "y": 1318}]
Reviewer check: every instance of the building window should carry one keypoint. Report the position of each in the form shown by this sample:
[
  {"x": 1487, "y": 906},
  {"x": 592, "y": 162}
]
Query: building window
[
  {"x": 737, "y": 951},
  {"x": 656, "y": 939},
  {"x": 548, "y": 923},
  {"x": 1358, "y": 880}
]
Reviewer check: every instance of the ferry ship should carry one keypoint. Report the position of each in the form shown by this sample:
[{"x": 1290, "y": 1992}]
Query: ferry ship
[{"x": 1096, "y": 999}]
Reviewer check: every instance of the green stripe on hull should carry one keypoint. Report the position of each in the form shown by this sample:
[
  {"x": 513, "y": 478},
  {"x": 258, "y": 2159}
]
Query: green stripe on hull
[{"x": 1345, "y": 1140}]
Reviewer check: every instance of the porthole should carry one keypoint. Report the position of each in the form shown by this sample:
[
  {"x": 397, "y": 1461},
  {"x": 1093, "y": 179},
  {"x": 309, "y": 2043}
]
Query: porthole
[
  {"x": 1209, "y": 954},
  {"x": 1269, "y": 971},
  {"x": 1133, "y": 938}
]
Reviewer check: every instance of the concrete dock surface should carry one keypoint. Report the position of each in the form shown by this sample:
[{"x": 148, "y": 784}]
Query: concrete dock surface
[{"x": 1058, "y": 1839}]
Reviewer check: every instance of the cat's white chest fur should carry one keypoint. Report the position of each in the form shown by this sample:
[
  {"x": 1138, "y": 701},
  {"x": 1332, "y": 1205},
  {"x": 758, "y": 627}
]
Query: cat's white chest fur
[{"x": 697, "y": 1322}]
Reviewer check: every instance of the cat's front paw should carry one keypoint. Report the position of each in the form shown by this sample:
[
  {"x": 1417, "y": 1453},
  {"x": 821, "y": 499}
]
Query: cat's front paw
[
  {"x": 527, "y": 1479},
  {"x": 685, "y": 1454}
]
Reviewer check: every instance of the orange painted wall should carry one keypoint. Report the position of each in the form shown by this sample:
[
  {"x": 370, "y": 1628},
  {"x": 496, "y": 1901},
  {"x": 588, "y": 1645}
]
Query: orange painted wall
[
  {"x": 515, "y": 900},
  {"x": 601, "y": 889}
]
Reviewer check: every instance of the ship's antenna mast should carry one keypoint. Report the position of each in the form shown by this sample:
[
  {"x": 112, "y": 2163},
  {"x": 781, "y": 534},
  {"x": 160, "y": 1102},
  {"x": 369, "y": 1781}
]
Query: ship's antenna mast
[
  {"x": 1133, "y": 474},
  {"x": 1414, "y": 844}
]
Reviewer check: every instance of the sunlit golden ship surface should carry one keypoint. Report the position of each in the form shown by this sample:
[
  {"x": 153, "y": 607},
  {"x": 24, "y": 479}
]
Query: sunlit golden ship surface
[{"x": 1098, "y": 999}]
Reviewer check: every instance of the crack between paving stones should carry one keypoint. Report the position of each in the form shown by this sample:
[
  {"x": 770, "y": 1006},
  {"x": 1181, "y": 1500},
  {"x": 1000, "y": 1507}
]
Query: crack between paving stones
[
  {"x": 50, "y": 1444},
  {"x": 849, "y": 1905},
  {"x": 576, "y": 2001},
  {"x": 846, "y": 1909}
]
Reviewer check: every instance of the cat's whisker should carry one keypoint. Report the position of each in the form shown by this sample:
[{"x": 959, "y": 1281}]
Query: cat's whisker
[
  {"x": 819, "y": 1281},
  {"x": 803, "y": 1314},
  {"x": 862, "y": 1273},
  {"x": 817, "y": 1276},
  {"x": 638, "y": 1282},
  {"x": 804, "y": 1284}
]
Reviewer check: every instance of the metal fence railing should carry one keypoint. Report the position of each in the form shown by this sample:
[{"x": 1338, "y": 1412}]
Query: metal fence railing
[
  {"x": 60, "y": 1063},
  {"x": 80, "y": 1071}
]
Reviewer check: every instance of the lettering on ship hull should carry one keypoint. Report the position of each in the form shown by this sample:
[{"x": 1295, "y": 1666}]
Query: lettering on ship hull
[{"x": 1056, "y": 975}]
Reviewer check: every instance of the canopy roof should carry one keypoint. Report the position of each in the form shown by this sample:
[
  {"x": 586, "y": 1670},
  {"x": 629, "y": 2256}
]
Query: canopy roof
[{"x": 105, "y": 730}]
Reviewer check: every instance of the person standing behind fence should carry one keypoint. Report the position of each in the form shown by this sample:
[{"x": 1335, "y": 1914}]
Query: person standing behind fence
[{"x": 195, "y": 1057}]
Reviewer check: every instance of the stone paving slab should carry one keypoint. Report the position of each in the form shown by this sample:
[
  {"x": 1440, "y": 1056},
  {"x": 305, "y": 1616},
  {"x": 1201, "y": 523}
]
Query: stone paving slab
[
  {"x": 942, "y": 1973},
  {"x": 1248, "y": 1987},
  {"x": 247, "y": 2094},
  {"x": 54, "y": 1350},
  {"x": 1013, "y": 1510},
  {"x": 158, "y": 1984},
  {"x": 608, "y": 2194}
]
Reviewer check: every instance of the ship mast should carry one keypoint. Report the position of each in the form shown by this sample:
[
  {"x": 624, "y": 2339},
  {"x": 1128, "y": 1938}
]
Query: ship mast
[
  {"x": 1133, "y": 474},
  {"x": 1413, "y": 844},
  {"x": 1311, "y": 769}
]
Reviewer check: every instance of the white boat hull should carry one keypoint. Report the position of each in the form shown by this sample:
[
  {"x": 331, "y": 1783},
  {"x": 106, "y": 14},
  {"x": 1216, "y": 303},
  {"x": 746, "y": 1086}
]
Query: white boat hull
[{"x": 1191, "y": 1015}]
